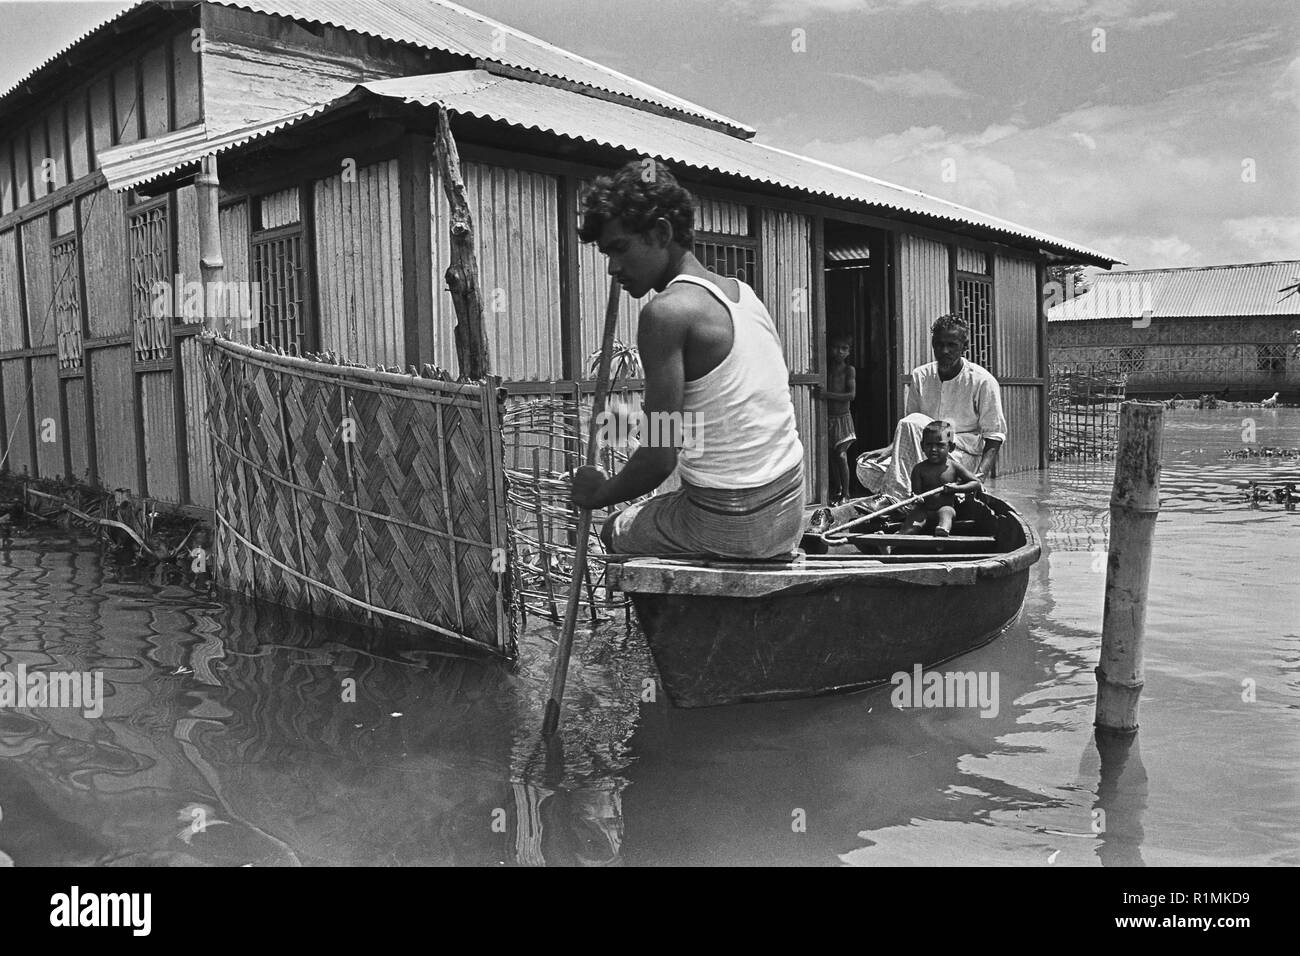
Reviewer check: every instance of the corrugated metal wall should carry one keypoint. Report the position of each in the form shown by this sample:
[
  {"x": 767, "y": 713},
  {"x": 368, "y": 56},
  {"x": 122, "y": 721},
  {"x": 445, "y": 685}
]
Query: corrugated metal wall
[
  {"x": 1022, "y": 406},
  {"x": 516, "y": 224},
  {"x": 45, "y": 408},
  {"x": 196, "y": 415},
  {"x": 74, "y": 397},
  {"x": 1015, "y": 326},
  {"x": 187, "y": 241},
  {"x": 923, "y": 296},
  {"x": 359, "y": 265},
  {"x": 114, "y": 404},
  {"x": 233, "y": 221},
  {"x": 159, "y": 435},
  {"x": 281, "y": 208},
  {"x": 972, "y": 260},
  {"x": 103, "y": 249},
  {"x": 37, "y": 281},
  {"x": 13, "y": 378},
  {"x": 786, "y": 281},
  {"x": 726, "y": 218},
  {"x": 806, "y": 420},
  {"x": 11, "y": 320}
]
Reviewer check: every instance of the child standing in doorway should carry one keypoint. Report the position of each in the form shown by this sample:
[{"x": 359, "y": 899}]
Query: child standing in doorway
[{"x": 841, "y": 389}]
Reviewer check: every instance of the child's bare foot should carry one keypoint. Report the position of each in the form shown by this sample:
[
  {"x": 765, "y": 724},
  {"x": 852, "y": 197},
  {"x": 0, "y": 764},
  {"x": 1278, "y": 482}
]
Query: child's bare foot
[{"x": 941, "y": 532}]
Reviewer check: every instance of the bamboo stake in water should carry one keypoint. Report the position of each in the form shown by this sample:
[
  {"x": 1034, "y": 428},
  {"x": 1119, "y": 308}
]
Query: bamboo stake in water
[
  {"x": 1134, "y": 506},
  {"x": 552, "y": 719}
]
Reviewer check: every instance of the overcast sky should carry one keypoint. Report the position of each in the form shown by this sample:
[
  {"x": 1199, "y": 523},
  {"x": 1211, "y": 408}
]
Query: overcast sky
[{"x": 1144, "y": 149}]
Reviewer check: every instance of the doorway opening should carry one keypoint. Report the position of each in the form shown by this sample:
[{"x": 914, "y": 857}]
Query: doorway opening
[{"x": 857, "y": 306}]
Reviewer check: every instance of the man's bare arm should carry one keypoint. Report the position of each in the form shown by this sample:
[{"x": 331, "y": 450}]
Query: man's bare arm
[{"x": 661, "y": 340}]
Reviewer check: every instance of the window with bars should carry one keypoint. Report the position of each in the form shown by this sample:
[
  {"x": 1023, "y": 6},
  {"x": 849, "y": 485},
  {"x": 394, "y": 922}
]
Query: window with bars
[
  {"x": 729, "y": 258},
  {"x": 148, "y": 231},
  {"x": 974, "y": 304},
  {"x": 279, "y": 271},
  {"x": 1131, "y": 359},
  {"x": 67, "y": 302},
  {"x": 1270, "y": 358},
  {"x": 281, "y": 289}
]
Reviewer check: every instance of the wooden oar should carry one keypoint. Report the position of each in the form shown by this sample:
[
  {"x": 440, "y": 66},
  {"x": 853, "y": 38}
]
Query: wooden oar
[
  {"x": 877, "y": 514},
  {"x": 552, "y": 718}
]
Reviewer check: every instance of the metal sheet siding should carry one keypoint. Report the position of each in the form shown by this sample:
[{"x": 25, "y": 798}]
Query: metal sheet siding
[
  {"x": 114, "y": 417},
  {"x": 725, "y": 218},
  {"x": 359, "y": 265},
  {"x": 187, "y": 241},
  {"x": 233, "y": 224},
  {"x": 196, "y": 415},
  {"x": 805, "y": 420},
  {"x": 786, "y": 280},
  {"x": 103, "y": 248},
  {"x": 37, "y": 281},
  {"x": 159, "y": 415},
  {"x": 280, "y": 208},
  {"x": 923, "y": 277},
  {"x": 1209, "y": 291},
  {"x": 1020, "y": 404},
  {"x": 516, "y": 223},
  {"x": 45, "y": 408},
  {"x": 1015, "y": 327},
  {"x": 972, "y": 260},
  {"x": 11, "y": 318},
  {"x": 74, "y": 396},
  {"x": 13, "y": 378}
]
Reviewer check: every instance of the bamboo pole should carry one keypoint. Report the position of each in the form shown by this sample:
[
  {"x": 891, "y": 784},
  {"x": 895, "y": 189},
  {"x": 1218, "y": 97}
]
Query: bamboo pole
[
  {"x": 1134, "y": 506},
  {"x": 207, "y": 189}
]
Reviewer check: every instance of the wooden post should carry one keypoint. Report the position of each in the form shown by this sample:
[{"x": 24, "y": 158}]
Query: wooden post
[
  {"x": 1134, "y": 505},
  {"x": 462, "y": 274},
  {"x": 212, "y": 267}
]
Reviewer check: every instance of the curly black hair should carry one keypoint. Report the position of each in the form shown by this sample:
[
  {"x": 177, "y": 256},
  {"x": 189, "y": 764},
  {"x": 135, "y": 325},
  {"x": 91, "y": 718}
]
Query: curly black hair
[
  {"x": 952, "y": 322},
  {"x": 638, "y": 194}
]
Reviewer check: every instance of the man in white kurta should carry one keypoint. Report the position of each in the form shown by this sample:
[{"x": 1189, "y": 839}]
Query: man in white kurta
[{"x": 952, "y": 389}]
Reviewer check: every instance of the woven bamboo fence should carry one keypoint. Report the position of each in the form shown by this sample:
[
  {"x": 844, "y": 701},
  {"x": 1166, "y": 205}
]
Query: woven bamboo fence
[
  {"x": 544, "y": 437},
  {"x": 363, "y": 495},
  {"x": 1083, "y": 402}
]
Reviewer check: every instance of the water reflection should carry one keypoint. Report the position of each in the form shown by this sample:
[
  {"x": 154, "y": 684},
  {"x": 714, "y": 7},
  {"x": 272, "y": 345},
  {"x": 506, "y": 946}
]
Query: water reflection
[{"x": 240, "y": 734}]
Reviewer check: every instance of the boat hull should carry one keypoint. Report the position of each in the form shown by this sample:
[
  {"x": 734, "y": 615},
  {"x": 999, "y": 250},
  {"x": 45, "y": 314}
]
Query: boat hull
[
  {"x": 731, "y": 632},
  {"x": 725, "y": 650}
]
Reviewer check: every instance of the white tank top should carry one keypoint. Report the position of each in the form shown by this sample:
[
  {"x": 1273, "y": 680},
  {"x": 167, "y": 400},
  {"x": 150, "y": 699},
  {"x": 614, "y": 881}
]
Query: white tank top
[{"x": 738, "y": 419}]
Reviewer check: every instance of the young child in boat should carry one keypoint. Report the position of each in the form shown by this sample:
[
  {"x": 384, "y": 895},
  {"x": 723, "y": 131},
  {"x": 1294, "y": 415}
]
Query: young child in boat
[
  {"x": 937, "y": 470},
  {"x": 841, "y": 389}
]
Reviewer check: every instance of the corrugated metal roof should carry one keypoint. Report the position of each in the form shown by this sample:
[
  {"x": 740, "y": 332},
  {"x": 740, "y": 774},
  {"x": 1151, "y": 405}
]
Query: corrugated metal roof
[
  {"x": 1253, "y": 288},
  {"x": 446, "y": 26},
  {"x": 536, "y": 107}
]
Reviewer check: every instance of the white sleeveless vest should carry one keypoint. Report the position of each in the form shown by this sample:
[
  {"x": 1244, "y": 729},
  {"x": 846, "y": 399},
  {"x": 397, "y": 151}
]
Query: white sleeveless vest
[{"x": 739, "y": 423}]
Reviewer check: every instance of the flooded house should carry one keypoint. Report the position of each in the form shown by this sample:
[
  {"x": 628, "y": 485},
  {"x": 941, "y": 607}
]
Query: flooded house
[
  {"x": 322, "y": 117},
  {"x": 1229, "y": 330}
]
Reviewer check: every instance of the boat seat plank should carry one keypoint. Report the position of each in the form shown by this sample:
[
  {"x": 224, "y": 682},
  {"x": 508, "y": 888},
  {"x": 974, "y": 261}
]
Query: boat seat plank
[{"x": 922, "y": 540}]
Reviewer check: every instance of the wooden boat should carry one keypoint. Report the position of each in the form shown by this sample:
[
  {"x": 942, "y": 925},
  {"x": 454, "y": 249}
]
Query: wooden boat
[{"x": 724, "y": 632}]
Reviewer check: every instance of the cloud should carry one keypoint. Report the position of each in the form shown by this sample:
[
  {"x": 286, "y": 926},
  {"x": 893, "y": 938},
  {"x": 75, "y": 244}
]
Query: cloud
[
  {"x": 1155, "y": 183},
  {"x": 1272, "y": 237},
  {"x": 1287, "y": 88},
  {"x": 913, "y": 84},
  {"x": 1108, "y": 12}
]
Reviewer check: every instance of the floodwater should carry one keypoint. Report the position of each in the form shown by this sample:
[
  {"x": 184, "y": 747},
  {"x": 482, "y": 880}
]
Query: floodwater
[{"x": 229, "y": 736}]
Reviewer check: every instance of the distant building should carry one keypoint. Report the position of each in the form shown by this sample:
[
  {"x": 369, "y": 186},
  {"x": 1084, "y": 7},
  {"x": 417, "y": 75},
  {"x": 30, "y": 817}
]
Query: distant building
[{"x": 1186, "y": 331}]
